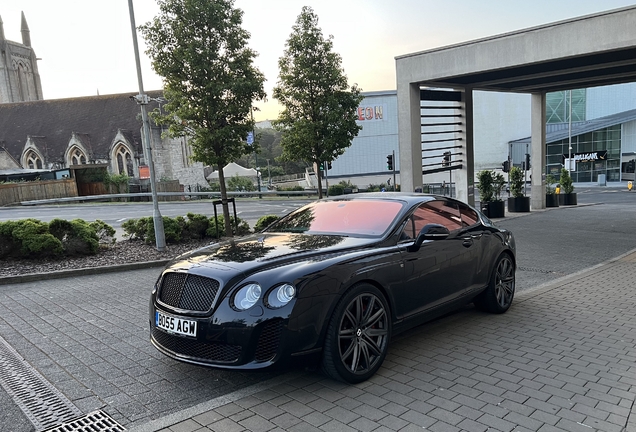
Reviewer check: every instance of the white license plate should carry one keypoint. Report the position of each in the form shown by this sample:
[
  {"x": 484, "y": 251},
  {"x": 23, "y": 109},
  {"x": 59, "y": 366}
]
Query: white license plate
[{"x": 176, "y": 325}]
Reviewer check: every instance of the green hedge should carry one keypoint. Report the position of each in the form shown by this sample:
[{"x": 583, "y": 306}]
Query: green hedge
[
  {"x": 34, "y": 239},
  {"x": 193, "y": 226}
]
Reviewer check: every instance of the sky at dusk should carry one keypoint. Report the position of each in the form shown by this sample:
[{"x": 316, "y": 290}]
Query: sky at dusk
[{"x": 86, "y": 47}]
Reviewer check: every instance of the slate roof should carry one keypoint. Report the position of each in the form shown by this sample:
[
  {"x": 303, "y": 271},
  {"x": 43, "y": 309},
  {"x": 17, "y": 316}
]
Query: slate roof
[{"x": 51, "y": 123}]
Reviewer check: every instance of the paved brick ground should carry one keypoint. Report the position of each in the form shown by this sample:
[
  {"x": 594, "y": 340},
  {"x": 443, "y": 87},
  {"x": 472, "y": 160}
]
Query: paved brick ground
[
  {"x": 88, "y": 336},
  {"x": 562, "y": 359}
]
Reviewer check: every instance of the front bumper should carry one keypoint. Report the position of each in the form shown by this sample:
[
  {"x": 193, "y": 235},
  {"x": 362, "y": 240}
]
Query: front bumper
[{"x": 230, "y": 345}]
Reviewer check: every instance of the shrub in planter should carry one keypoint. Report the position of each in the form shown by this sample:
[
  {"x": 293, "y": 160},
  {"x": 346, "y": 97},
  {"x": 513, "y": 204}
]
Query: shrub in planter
[
  {"x": 518, "y": 202},
  {"x": 136, "y": 229},
  {"x": 172, "y": 228},
  {"x": 196, "y": 225},
  {"x": 77, "y": 236},
  {"x": 551, "y": 199},
  {"x": 485, "y": 186},
  {"x": 34, "y": 239},
  {"x": 105, "y": 233},
  {"x": 568, "y": 196},
  {"x": 566, "y": 182},
  {"x": 8, "y": 244},
  {"x": 265, "y": 221},
  {"x": 217, "y": 229},
  {"x": 490, "y": 186}
]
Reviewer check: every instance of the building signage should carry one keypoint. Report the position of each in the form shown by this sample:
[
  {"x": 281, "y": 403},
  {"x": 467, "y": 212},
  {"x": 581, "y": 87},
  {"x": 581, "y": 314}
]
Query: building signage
[
  {"x": 368, "y": 113},
  {"x": 144, "y": 172},
  {"x": 588, "y": 157}
]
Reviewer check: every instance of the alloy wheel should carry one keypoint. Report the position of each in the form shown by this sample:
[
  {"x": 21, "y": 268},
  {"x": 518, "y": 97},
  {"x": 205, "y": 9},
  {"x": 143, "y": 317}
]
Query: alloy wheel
[
  {"x": 363, "y": 333},
  {"x": 505, "y": 282}
]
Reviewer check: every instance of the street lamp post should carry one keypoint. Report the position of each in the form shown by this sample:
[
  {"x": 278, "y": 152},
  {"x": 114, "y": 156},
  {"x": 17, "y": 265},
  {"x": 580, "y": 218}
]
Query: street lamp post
[{"x": 142, "y": 101}]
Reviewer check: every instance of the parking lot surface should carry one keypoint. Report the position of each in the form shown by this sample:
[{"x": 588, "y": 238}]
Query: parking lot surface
[{"x": 562, "y": 358}]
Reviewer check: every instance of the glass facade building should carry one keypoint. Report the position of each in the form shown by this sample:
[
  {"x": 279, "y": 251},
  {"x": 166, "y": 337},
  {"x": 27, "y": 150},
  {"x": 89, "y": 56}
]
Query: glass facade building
[
  {"x": 558, "y": 106},
  {"x": 608, "y": 138}
]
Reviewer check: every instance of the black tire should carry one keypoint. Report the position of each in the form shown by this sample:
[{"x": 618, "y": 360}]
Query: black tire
[
  {"x": 498, "y": 296},
  {"x": 358, "y": 335}
]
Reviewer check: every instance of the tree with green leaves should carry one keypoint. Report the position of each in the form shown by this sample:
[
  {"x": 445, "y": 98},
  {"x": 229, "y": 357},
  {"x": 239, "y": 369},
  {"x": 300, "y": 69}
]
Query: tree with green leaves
[
  {"x": 200, "y": 50},
  {"x": 319, "y": 108}
]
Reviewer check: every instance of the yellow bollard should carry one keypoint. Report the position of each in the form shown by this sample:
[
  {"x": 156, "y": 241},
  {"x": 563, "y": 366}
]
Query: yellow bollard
[{"x": 630, "y": 186}]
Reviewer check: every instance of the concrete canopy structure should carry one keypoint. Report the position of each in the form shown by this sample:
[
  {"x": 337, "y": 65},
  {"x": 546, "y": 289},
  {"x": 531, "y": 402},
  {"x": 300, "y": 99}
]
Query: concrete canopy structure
[{"x": 588, "y": 51}]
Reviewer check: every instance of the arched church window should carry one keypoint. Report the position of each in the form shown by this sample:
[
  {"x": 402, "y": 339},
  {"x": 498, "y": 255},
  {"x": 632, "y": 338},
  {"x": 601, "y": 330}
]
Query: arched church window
[
  {"x": 33, "y": 161},
  {"x": 77, "y": 157},
  {"x": 124, "y": 160}
]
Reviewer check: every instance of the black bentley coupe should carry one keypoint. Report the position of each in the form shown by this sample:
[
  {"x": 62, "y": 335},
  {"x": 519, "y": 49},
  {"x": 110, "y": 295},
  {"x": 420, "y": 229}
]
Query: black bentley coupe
[{"x": 334, "y": 280}]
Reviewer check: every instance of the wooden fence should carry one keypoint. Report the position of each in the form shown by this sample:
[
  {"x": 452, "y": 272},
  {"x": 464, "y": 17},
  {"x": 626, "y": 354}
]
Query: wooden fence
[{"x": 13, "y": 193}]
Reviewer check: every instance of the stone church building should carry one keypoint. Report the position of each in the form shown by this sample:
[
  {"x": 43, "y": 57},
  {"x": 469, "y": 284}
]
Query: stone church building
[
  {"x": 19, "y": 77},
  {"x": 79, "y": 132}
]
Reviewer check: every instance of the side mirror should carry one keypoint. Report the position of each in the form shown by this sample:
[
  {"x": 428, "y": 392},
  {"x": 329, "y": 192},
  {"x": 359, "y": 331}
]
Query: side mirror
[{"x": 429, "y": 232}]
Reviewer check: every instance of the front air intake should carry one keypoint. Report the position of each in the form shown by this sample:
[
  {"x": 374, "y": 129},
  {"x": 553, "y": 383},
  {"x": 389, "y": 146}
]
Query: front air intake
[{"x": 188, "y": 291}]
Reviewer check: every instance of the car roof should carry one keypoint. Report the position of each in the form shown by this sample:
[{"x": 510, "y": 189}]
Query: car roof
[{"x": 408, "y": 197}]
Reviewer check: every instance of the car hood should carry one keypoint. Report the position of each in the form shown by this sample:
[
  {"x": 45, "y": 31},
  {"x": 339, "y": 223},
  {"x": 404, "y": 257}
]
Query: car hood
[{"x": 267, "y": 249}]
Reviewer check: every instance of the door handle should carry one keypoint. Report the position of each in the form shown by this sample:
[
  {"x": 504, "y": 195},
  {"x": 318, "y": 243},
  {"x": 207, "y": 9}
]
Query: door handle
[{"x": 468, "y": 242}]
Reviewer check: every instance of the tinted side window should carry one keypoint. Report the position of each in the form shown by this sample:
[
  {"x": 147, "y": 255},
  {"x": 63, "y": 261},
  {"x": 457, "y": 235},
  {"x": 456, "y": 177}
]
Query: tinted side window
[
  {"x": 469, "y": 216},
  {"x": 439, "y": 212}
]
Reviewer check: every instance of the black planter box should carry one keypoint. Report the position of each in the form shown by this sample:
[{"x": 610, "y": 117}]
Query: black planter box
[
  {"x": 494, "y": 209},
  {"x": 519, "y": 204},
  {"x": 568, "y": 199},
  {"x": 552, "y": 200}
]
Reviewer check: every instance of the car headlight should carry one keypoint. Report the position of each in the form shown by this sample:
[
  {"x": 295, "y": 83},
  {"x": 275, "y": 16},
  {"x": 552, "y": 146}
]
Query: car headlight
[
  {"x": 281, "y": 295},
  {"x": 247, "y": 296}
]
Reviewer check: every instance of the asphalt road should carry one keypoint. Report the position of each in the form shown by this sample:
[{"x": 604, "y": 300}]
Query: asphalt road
[
  {"x": 551, "y": 244},
  {"x": 115, "y": 214}
]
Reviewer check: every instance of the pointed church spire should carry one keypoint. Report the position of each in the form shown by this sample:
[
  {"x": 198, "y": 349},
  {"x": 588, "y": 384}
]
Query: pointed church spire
[
  {"x": 26, "y": 34},
  {"x": 1, "y": 30}
]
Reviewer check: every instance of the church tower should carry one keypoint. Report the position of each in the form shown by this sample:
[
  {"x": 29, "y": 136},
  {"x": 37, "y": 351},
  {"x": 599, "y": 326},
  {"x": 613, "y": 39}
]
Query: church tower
[{"x": 19, "y": 76}]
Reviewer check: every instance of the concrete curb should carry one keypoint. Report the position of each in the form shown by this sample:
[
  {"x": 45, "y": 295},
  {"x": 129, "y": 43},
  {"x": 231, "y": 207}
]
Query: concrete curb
[{"x": 33, "y": 277}]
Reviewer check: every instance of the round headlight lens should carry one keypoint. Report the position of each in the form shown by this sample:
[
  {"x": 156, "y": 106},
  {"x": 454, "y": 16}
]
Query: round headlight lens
[
  {"x": 247, "y": 296},
  {"x": 281, "y": 295}
]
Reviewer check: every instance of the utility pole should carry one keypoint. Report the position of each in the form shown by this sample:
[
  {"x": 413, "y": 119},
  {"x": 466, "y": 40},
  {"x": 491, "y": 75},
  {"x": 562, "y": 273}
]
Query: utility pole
[{"x": 142, "y": 101}]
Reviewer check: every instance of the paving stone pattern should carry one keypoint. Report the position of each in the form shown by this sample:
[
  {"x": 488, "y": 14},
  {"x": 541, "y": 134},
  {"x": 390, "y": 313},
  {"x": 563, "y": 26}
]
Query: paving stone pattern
[
  {"x": 562, "y": 359},
  {"x": 89, "y": 337}
]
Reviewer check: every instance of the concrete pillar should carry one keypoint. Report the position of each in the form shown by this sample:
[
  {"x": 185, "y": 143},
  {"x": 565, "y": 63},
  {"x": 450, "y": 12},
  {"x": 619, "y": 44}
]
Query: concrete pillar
[
  {"x": 465, "y": 177},
  {"x": 537, "y": 151},
  {"x": 410, "y": 136}
]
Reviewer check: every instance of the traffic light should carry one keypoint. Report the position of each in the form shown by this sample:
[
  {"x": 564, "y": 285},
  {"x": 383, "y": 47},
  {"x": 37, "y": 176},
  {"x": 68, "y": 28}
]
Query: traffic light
[
  {"x": 527, "y": 161},
  {"x": 505, "y": 166},
  {"x": 447, "y": 159},
  {"x": 328, "y": 165},
  {"x": 389, "y": 162},
  {"x": 321, "y": 167}
]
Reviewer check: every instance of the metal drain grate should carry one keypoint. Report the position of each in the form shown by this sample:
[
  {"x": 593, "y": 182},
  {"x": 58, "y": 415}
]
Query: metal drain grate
[
  {"x": 97, "y": 421},
  {"x": 42, "y": 403}
]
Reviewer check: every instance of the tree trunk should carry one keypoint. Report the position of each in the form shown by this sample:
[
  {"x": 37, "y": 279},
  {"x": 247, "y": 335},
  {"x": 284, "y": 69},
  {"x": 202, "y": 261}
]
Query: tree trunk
[
  {"x": 224, "y": 204},
  {"x": 319, "y": 177}
]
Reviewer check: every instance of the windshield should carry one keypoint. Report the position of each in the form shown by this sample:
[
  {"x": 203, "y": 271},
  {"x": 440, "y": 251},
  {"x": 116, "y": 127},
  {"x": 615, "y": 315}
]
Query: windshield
[{"x": 366, "y": 218}]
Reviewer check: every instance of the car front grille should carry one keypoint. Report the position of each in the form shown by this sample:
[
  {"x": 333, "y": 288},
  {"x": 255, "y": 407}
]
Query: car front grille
[
  {"x": 188, "y": 291},
  {"x": 197, "y": 350},
  {"x": 269, "y": 341}
]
